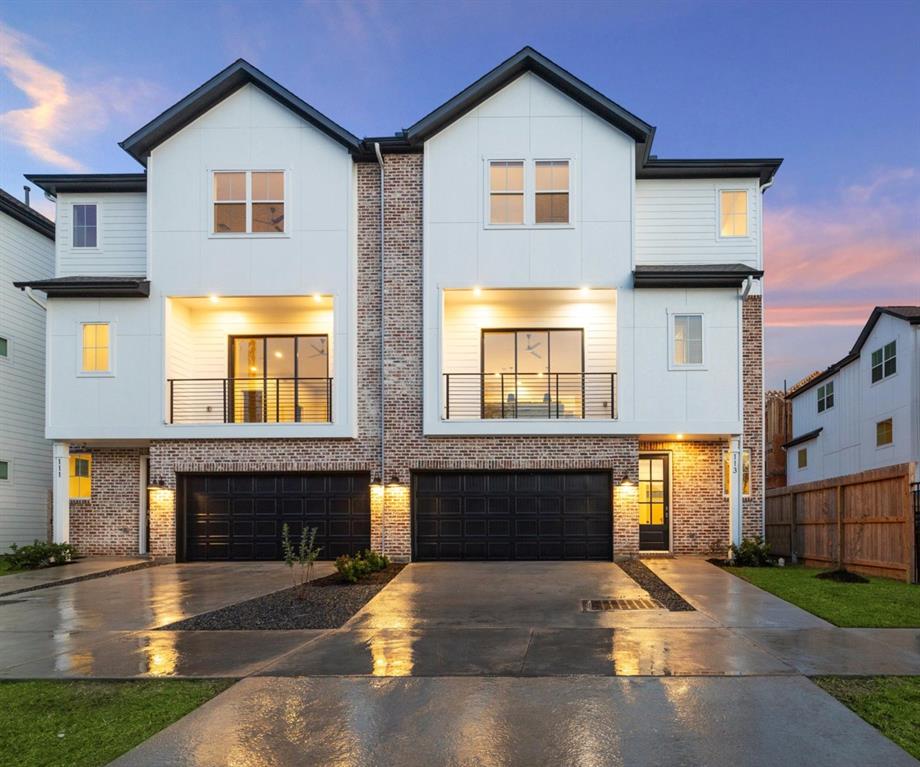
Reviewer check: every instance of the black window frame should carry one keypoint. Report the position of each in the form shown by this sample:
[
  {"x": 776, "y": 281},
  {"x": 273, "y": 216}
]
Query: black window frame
[
  {"x": 887, "y": 357},
  {"x": 825, "y": 396},
  {"x": 516, "y": 331}
]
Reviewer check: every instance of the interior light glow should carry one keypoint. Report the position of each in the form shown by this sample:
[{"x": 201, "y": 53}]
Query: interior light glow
[{"x": 253, "y": 369}]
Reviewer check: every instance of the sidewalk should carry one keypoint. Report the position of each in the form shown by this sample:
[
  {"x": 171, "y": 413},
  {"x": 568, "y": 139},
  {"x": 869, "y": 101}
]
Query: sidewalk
[{"x": 90, "y": 567}]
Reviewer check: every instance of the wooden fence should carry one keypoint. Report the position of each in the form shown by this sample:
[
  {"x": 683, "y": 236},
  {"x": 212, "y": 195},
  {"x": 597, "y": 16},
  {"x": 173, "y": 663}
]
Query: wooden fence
[{"x": 862, "y": 521}]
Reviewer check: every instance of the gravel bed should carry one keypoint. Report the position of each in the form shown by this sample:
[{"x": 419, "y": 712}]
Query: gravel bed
[
  {"x": 327, "y": 604},
  {"x": 656, "y": 587}
]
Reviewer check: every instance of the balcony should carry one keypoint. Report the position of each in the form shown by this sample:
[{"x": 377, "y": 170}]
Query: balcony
[
  {"x": 528, "y": 354},
  {"x": 249, "y": 360},
  {"x": 250, "y": 400},
  {"x": 530, "y": 395}
]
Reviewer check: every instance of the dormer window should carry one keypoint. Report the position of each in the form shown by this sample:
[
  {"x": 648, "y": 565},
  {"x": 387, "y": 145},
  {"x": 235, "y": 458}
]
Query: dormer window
[
  {"x": 248, "y": 202},
  {"x": 733, "y": 213}
]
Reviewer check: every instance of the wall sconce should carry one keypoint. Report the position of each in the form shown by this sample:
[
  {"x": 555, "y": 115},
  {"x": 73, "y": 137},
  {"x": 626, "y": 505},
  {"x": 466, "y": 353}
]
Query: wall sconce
[
  {"x": 394, "y": 480},
  {"x": 157, "y": 483},
  {"x": 375, "y": 480},
  {"x": 626, "y": 481}
]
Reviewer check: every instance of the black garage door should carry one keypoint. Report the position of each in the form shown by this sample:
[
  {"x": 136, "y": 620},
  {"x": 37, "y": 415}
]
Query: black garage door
[
  {"x": 512, "y": 515},
  {"x": 240, "y": 516}
]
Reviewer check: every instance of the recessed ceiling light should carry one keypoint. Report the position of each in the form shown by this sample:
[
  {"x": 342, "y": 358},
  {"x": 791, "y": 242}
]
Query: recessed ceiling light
[
  {"x": 317, "y": 297},
  {"x": 585, "y": 290},
  {"x": 477, "y": 291},
  {"x": 279, "y": 355},
  {"x": 214, "y": 298}
]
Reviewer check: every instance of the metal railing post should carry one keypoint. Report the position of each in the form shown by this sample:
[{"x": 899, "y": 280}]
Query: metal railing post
[
  {"x": 613, "y": 395},
  {"x": 224, "y": 386},
  {"x": 447, "y": 396},
  {"x": 172, "y": 399}
]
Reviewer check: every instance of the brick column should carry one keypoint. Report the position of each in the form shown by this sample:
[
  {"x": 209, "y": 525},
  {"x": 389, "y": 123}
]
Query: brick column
[{"x": 752, "y": 381}]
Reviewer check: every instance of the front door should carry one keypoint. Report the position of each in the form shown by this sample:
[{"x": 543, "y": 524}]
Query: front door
[{"x": 654, "y": 502}]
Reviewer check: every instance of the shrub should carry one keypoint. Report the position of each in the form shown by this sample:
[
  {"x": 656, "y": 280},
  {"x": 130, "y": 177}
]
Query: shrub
[
  {"x": 39, "y": 554},
  {"x": 753, "y": 552},
  {"x": 303, "y": 557},
  {"x": 352, "y": 569}
]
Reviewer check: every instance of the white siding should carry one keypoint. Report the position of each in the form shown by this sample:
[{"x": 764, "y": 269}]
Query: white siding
[
  {"x": 121, "y": 236},
  {"x": 24, "y": 255},
  {"x": 677, "y": 222}
]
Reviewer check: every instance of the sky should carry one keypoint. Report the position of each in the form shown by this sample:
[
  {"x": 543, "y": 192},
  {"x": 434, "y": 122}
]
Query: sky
[{"x": 832, "y": 87}]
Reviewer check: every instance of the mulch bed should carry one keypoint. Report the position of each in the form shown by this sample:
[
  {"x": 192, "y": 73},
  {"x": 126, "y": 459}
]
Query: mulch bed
[
  {"x": 656, "y": 587},
  {"x": 327, "y": 603}
]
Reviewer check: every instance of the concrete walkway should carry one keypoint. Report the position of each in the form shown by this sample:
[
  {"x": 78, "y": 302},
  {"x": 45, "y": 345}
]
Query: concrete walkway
[{"x": 81, "y": 569}]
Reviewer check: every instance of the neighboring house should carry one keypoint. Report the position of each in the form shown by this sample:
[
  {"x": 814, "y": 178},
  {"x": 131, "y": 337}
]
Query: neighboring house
[
  {"x": 555, "y": 351},
  {"x": 26, "y": 252},
  {"x": 863, "y": 412},
  {"x": 778, "y": 431}
]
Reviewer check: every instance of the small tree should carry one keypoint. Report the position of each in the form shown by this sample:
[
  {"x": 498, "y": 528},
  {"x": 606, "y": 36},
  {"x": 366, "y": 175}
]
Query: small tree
[{"x": 300, "y": 560}]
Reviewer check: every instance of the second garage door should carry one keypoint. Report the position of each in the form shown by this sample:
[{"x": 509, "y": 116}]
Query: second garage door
[
  {"x": 241, "y": 516},
  {"x": 512, "y": 515}
]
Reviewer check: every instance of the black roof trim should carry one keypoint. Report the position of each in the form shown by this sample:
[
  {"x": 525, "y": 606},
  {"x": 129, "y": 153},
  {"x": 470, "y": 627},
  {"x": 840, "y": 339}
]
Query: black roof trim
[
  {"x": 82, "y": 286},
  {"x": 804, "y": 437},
  {"x": 140, "y": 143},
  {"x": 910, "y": 314},
  {"x": 26, "y": 215},
  {"x": 90, "y": 182},
  {"x": 397, "y": 144},
  {"x": 528, "y": 60},
  {"x": 762, "y": 168},
  {"x": 693, "y": 275}
]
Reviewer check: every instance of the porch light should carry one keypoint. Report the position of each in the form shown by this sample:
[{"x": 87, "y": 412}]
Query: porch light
[
  {"x": 317, "y": 297},
  {"x": 214, "y": 298},
  {"x": 394, "y": 480},
  {"x": 626, "y": 481},
  {"x": 157, "y": 483},
  {"x": 679, "y": 436},
  {"x": 375, "y": 481},
  {"x": 585, "y": 290},
  {"x": 477, "y": 291}
]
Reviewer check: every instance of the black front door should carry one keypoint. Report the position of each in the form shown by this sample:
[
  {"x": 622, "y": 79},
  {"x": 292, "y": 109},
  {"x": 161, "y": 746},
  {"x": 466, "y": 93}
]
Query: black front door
[{"x": 654, "y": 502}]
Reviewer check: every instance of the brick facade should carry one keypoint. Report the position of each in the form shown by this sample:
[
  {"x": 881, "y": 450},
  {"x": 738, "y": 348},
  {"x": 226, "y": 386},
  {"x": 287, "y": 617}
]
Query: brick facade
[
  {"x": 699, "y": 505},
  {"x": 752, "y": 390}
]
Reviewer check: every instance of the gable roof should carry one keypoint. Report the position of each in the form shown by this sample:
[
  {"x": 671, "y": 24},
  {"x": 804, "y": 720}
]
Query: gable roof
[
  {"x": 24, "y": 214},
  {"x": 529, "y": 60},
  {"x": 140, "y": 143},
  {"x": 910, "y": 314}
]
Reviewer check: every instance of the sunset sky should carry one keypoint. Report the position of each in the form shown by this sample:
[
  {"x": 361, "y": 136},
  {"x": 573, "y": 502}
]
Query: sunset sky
[{"x": 834, "y": 88}]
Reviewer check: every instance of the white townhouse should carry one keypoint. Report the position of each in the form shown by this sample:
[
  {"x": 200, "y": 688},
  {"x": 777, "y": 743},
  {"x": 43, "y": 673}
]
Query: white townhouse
[
  {"x": 863, "y": 412},
  {"x": 509, "y": 331},
  {"x": 26, "y": 252}
]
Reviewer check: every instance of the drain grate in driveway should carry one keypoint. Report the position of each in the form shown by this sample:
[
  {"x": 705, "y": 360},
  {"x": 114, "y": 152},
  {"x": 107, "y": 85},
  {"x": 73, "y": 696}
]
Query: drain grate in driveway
[{"x": 602, "y": 605}]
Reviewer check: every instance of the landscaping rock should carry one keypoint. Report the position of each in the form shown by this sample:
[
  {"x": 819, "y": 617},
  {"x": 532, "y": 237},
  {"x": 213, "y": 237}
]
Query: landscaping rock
[{"x": 656, "y": 587}]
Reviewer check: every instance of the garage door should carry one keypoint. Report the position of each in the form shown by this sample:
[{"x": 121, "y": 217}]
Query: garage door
[
  {"x": 240, "y": 516},
  {"x": 512, "y": 515}
]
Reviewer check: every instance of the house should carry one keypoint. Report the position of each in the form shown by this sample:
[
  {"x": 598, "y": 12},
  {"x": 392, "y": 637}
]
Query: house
[
  {"x": 26, "y": 252},
  {"x": 863, "y": 412},
  {"x": 509, "y": 331}
]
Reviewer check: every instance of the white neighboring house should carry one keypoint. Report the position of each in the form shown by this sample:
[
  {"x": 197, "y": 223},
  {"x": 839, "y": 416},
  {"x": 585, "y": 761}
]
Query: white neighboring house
[
  {"x": 863, "y": 412},
  {"x": 26, "y": 250}
]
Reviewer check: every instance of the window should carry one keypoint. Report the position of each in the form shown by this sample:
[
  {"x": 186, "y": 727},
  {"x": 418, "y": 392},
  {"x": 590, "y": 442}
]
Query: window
[
  {"x": 733, "y": 208},
  {"x": 826, "y": 397},
  {"x": 96, "y": 356},
  {"x": 4, "y": 347},
  {"x": 249, "y": 202},
  {"x": 4, "y": 470},
  {"x": 727, "y": 473},
  {"x": 506, "y": 192},
  {"x": 81, "y": 470},
  {"x": 884, "y": 362},
  {"x": 802, "y": 456},
  {"x": 687, "y": 335},
  {"x": 884, "y": 433},
  {"x": 84, "y": 226},
  {"x": 552, "y": 192}
]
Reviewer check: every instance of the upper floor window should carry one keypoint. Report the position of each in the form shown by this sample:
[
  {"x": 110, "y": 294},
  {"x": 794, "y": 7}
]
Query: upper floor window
[
  {"x": 96, "y": 352},
  {"x": 733, "y": 213},
  {"x": 249, "y": 202},
  {"x": 884, "y": 433},
  {"x": 551, "y": 203},
  {"x": 884, "y": 362},
  {"x": 85, "y": 226},
  {"x": 506, "y": 192},
  {"x": 81, "y": 471},
  {"x": 4, "y": 347},
  {"x": 687, "y": 340},
  {"x": 803, "y": 457},
  {"x": 826, "y": 396}
]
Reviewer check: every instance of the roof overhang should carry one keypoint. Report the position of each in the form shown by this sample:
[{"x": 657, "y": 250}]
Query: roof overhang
[
  {"x": 762, "y": 169},
  {"x": 90, "y": 287},
  {"x": 55, "y": 184},
  {"x": 693, "y": 275},
  {"x": 26, "y": 215},
  {"x": 803, "y": 438},
  {"x": 140, "y": 143}
]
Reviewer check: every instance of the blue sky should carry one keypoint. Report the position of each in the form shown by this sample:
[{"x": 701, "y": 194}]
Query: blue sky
[{"x": 832, "y": 87}]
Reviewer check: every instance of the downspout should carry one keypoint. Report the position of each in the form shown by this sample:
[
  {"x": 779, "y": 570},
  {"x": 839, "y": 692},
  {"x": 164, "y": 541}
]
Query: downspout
[
  {"x": 37, "y": 302},
  {"x": 383, "y": 499},
  {"x": 763, "y": 412}
]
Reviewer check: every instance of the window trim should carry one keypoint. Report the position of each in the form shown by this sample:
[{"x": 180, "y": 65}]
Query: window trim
[
  {"x": 81, "y": 373},
  {"x": 568, "y": 191},
  {"x": 676, "y": 366},
  {"x": 71, "y": 463},
  {"x": 7, "y": 359},
  {"x": 8, "y": 482},
  {"x": 802, "y": 451},
  {"x": 739, "y": 237},
  {"x": 890, "y": 443},
  {"x": 530, "y": 196},
  {"x": 881, "y": 349},
  {"x": 98, "y": 246},
  {"x": 822, "y": 398},
  {"x": 247, "y": 235},
  {"x": 746, "y": 452}
]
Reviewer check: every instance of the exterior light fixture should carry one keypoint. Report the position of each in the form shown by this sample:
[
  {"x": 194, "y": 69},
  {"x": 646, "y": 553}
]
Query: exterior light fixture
[
  {"x": 477, "y": 291},
  {"x": 626, "y": 481},
  {"x": 585, "y": 290},
  {"x": 375, "y": 480},
  {"x": 157, "y": 483},
  {"x": 394, "y": 480},
  {"x": 214, "y": 298},
  {"x": 317, "y": 297},
  {"x": 680, "y": 436}
]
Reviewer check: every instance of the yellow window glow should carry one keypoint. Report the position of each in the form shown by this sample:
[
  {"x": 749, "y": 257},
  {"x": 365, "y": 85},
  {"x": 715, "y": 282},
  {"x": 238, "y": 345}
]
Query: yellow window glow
[
  {"x": 733, "y": 207},
  {"x": 81, "y": 470},
  {"x": 95, "y": 347}
]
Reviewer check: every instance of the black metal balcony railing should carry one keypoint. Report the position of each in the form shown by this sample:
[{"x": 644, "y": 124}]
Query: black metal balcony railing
[
  {"x": 472, "y": 396},
  {"x": 250, "y": 400}
]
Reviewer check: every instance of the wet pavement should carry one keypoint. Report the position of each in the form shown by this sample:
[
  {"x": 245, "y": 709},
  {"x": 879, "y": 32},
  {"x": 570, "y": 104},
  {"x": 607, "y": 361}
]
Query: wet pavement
[
  {"x": 29, "y": 580},
  {"x": 515, "y": 721}
]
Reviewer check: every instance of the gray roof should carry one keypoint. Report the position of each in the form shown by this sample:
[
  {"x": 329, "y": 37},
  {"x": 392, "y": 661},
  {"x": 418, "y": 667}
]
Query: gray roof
[
  {"x": 90, "y": 286},
  {"x": 26, "y": 215},
  {"x": 693, "y": 275}
]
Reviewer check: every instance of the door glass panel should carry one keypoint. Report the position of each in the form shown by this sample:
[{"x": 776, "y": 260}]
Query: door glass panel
[
  {"x": 498, "y": 399},
  {"x": 248, "y": 357},
  {"x": 533, "y": 385},
  {"x": 312, "y": 357},
  {"x": 280, "y": 357},
  {"x": 652, "y": 491}
]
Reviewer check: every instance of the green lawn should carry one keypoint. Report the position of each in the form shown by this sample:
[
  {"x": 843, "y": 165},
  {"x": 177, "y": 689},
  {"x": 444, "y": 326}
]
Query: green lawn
[
  {"x": 88, "y": 723},
  {"x": 5, "y": 568},
  {"x": 881, "y": 603},
  {"x": 889, "y": 703}
]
